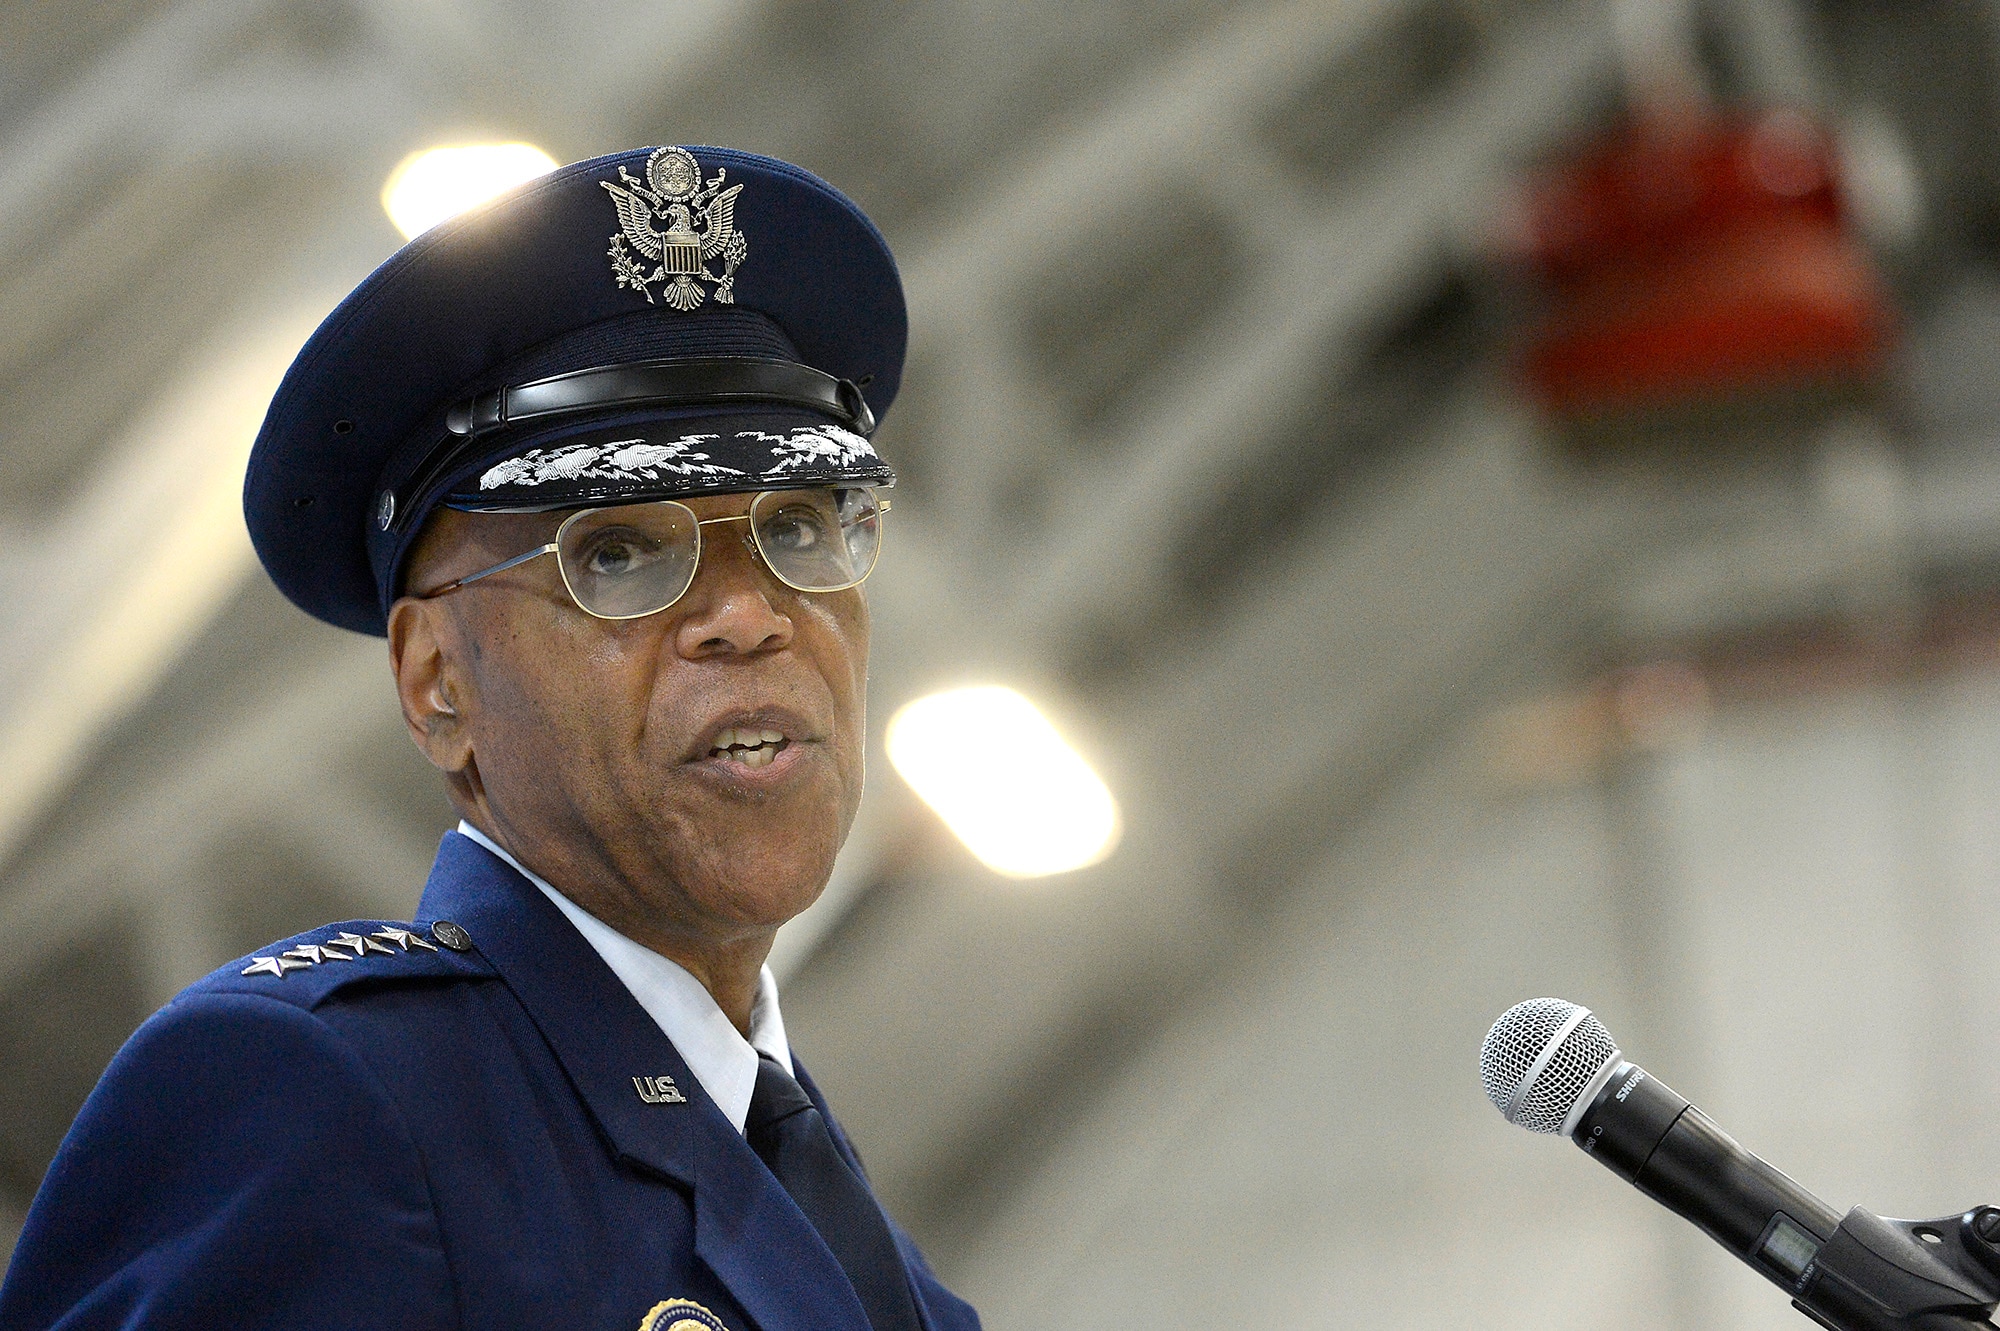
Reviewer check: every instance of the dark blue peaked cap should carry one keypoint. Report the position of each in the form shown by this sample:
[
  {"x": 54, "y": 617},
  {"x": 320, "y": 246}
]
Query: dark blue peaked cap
[{"x": 659, "y": 322}]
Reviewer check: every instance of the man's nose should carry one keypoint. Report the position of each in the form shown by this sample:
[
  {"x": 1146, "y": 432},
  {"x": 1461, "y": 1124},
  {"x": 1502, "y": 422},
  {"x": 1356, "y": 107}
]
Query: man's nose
[{"x": 731, "y": 607}]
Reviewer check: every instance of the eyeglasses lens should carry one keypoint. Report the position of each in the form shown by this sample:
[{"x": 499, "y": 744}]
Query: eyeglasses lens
[
  {"x": 818, "y": 540},
  {"x": 634, "y": 559},
  {"x": 628, "y": 561}
]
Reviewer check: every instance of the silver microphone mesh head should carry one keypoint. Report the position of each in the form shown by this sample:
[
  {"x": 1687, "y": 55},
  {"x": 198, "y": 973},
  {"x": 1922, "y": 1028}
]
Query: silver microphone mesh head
[{"x": 1539, "y": 1060}]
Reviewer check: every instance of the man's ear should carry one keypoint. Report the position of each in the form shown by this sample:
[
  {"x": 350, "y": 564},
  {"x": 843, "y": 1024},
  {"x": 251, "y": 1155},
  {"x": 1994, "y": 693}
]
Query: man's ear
[{"x": 430, "y": 684}]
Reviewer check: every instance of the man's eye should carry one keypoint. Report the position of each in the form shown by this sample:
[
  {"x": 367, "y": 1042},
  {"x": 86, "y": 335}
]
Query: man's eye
[
  {"x": 802, "y": 530},
  {"x": 613, "y": 553}
]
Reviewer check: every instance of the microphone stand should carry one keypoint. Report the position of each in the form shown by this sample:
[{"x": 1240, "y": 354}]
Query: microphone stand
[{"x": 1877, "y": 1274}]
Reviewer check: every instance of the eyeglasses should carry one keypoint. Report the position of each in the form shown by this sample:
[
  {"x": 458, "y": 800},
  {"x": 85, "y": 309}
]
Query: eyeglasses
[{"x": 633, "y": 560}]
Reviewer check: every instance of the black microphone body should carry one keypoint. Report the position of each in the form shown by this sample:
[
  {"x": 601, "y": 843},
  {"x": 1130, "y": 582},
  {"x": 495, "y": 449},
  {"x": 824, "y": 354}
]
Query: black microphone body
[
  {"x": 1655, "y": 1140},
  {"x": 1854, "y": 1273}
]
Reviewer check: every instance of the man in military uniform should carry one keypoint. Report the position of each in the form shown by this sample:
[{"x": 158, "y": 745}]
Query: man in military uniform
[{"x": 595, "y": 460}]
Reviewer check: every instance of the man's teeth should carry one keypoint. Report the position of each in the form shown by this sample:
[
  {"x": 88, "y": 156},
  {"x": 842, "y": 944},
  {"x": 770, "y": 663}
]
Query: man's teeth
[{"x": 749, "y": 746}]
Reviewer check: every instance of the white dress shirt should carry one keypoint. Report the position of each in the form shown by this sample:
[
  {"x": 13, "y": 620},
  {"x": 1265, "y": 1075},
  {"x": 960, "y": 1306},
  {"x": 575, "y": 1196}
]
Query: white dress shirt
[{"x": 721, "y": 1059}]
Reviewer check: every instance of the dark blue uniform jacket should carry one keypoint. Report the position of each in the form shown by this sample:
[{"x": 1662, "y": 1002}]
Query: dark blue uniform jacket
[{"x": 417, "y": 1138}]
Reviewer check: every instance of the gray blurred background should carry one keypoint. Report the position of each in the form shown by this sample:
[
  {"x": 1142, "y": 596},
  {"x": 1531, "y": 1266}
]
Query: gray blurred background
[{"x": 1209, "y": 446}]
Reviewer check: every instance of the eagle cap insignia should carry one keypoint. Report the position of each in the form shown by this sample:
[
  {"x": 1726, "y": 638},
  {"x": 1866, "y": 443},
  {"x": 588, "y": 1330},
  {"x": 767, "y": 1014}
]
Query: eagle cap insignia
[
  {"x": 680, "y": 1315},
  {"x": 678, "y": 224}
]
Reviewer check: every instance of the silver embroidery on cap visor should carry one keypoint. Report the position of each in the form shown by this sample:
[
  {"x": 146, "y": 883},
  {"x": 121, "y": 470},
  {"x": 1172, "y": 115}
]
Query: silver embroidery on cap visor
[
  {"x": 681, "y": 223},
  {"x": 813, "y": 448},
  {"x": 817, "y": 447}
]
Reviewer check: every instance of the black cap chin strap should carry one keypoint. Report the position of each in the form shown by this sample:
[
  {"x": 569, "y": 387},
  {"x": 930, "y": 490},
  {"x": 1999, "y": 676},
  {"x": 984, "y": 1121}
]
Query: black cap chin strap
[{"x": 707, "y": 382}]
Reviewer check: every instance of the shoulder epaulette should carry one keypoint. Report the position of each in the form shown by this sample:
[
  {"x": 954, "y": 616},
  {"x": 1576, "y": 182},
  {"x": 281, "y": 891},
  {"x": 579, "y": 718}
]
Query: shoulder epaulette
[{"x": 308, "y": 967}]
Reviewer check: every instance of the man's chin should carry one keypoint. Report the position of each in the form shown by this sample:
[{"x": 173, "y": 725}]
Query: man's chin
[
  {"x": 763, "y": 899},
  {"x": 765, "y": 862}
]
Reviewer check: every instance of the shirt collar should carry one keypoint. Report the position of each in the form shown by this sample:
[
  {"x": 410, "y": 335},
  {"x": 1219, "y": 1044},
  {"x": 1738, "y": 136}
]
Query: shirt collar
[{"x": 721, "y": 1059}]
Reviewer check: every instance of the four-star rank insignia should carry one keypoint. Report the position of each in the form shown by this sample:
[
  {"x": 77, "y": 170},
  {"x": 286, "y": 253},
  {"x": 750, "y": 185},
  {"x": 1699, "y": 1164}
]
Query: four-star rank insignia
[
  {"x": 387, "y": 941},
  {"x": 680, "y": 1315},
  {"x": 681, "y": 223}
]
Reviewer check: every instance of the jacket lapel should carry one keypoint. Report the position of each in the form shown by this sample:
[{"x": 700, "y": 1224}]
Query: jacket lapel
[{"x": 747, "y": 1228}]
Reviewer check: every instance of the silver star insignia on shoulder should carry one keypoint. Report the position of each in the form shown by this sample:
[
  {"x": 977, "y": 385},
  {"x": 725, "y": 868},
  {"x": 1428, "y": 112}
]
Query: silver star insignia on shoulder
[
  {"x": 307, "y": 955},
  {"x": 277, "y": 965},
  {"x": 385, "y": 942}
]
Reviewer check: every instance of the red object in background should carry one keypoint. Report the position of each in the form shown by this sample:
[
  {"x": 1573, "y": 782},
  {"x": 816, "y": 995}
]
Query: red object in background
[{"x": 1696, "y": 258}]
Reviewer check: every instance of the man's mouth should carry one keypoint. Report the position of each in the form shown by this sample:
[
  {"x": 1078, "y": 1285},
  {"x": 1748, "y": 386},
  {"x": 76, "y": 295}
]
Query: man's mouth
[{"x": 752, "y": 746}]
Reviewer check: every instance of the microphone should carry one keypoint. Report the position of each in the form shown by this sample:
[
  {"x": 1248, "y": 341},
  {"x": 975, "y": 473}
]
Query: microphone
[{"x": 1550, "y": 1066}]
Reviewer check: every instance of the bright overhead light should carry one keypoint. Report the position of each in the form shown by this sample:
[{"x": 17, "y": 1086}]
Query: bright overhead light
[
  {"x": 429, "y": 186},
  {"x": 1002, "y": 778}
]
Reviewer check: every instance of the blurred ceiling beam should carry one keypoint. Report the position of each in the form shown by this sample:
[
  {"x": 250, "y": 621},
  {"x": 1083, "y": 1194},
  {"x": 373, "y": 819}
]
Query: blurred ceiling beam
[
  {"x": 152, "y": 858},
  {"x": 136, "y": 567},
  {"x": 173, "y": 92},
  {"x": 1373, "y": 616},
  {"x": 1328, "y": 263},
  {"x": 1656, "y": 45},
  {"x": 1775, "y": 45}
]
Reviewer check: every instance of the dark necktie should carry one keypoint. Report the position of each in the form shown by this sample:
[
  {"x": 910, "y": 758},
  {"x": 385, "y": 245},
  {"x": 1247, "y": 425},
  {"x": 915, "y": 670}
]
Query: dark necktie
[{"x": 790, "y": 1136}]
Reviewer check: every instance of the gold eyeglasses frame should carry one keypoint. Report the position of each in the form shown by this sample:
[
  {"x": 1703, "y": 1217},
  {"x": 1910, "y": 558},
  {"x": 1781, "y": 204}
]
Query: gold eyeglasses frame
[{"x": 751, "y": 540}]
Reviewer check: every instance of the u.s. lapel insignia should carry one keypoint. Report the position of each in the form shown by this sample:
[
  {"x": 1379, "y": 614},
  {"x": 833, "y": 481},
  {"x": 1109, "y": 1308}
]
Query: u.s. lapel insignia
[
  {"x": 680, "y": 1315},
  {"x": 681, "y": 223},
  {"x": 658, "y": 1091}
]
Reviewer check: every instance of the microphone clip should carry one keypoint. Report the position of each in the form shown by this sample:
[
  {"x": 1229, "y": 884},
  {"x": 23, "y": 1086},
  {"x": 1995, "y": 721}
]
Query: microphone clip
[{"x": 1879, "y": 1274}]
